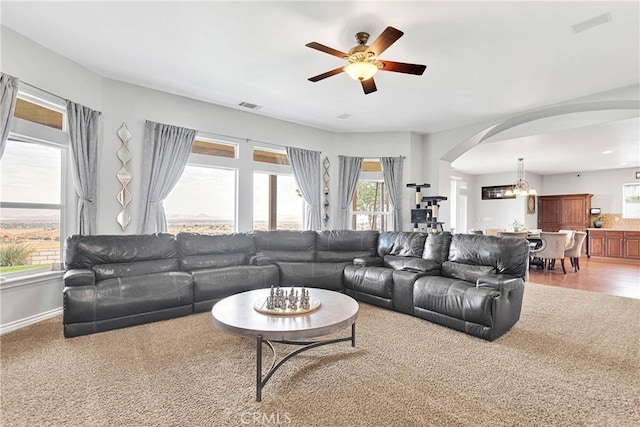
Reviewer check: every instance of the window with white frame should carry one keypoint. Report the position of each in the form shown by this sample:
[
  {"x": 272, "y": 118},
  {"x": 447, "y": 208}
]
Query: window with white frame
[
  {"x": 370, "y": 205},
  {"x": 631, "y": 200},
  {"x": 33, "y": 185},
  {"x": 277, "y": 202},
  {"x": 204, "y": 199}
]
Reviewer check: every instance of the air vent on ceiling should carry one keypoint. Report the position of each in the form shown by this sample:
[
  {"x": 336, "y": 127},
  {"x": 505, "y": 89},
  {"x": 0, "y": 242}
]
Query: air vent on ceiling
[
  {"x": 344, "y": 116},
  {"x": 249, "y": 105},
  {"x": 590, "y": 23}
]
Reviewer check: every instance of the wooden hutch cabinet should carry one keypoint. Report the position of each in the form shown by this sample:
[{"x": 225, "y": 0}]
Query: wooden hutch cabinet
[{"x": 564, "y": 212}]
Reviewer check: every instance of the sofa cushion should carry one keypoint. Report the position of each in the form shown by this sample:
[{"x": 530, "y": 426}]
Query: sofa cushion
[
  {"x": 345, "y": 245},
  {"x": 410, "y": 263},
  {"x": 408, "y": 244},
  {"x": 376, "y": 281},
  {"x": 283, "y": 245},
  {"x": 341, "y": 256},
  {"x": 213, "y": 244},
  {"x": 125, "y": 269},
  {"x": 455, "y": 298},
  {"x": 196, "y": 262},
  {"x": 436, "y": 247},
  {"x": 325, "y": 275},
  {"x": 347, "y": 240},
  {"x": 214, "y": 284},
  {"x": 468, "y": 272},
  {"x": 127, "y": 296},
  {"x": 386, "y": 240},
  {"x": 86, "y": 251},
  {"x": 506, "y": 256}
]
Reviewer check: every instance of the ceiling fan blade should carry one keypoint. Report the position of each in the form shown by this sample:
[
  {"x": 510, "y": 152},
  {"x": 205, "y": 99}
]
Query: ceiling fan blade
[
  {"x": 368, "y": 86},
  {"x": 325, "y": 75},
  {"x": 401, "y": 67},
  {"x": 326, "y": 49},
  {"x": 384, "y": 40}
]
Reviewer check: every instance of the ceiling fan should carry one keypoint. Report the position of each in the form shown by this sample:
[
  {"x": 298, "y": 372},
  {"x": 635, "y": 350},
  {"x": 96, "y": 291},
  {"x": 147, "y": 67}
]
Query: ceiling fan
[{"x": 363, "y": 59}]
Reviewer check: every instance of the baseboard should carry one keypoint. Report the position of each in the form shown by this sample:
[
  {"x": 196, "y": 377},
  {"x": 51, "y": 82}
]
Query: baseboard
[{"x": 23, "y": 323}]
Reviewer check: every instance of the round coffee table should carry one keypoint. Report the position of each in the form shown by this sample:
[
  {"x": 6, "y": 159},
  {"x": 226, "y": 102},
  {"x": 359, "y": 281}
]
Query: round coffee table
[{"x": 236, "y": 315}]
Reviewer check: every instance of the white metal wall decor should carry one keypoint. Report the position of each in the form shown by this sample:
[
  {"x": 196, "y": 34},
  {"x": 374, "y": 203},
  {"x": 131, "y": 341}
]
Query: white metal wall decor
[
  {"x": 124, "y": 176},
  {"x": 325, "y": 191}
]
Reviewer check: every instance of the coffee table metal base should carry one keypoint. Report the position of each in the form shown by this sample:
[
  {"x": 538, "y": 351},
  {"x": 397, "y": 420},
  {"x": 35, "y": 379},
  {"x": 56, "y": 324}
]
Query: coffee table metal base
[{"x": 306, "y": 345}]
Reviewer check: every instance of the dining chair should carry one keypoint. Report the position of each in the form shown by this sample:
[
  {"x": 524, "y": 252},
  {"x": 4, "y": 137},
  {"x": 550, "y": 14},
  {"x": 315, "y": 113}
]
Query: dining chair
[
  {"x": 553, "y": 247},
  {"x": 534, "y": 232},
  {"x": 574, "y": 252},
  {"x": 570, "y": 237},
  {"x": 522, "y": 234},
  {"x": 492, "y": 231}
]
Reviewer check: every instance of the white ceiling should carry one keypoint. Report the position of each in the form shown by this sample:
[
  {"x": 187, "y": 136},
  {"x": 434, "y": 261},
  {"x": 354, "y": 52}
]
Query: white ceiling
[{"x": 485, "y": 61}]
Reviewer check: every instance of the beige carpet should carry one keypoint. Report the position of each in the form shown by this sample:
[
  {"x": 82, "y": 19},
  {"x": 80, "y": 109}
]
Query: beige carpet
[{"x": 573, "y": 359}]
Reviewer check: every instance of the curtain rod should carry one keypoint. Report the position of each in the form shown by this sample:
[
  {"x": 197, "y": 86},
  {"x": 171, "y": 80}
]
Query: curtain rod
[
  {"x": 42, "y": 90},
  {"x": 206, "y": 134}
]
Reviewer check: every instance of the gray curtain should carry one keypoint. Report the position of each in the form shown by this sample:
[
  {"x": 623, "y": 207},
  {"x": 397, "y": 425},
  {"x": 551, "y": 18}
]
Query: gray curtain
[
  {"x": 349, "y": 173},
  {"x": 305, "y": 165},
  {"x": 392, "y": 170},
  {"x": 164, "y": 157},
  {"x": 8, "y": 94},
  {"x": 83, "y": 138}
]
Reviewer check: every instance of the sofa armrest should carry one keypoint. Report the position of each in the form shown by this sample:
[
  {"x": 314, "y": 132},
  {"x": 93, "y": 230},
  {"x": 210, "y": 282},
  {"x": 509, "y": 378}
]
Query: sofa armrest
[
  {"x": 502, "y": 282},
  {"x": 369, "y": 261},
  {"x": 79, "y": 277}
]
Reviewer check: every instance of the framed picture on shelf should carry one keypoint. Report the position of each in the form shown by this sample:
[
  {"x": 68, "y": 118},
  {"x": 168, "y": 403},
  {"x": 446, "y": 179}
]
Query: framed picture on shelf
[{"x": 531, "y": 204}]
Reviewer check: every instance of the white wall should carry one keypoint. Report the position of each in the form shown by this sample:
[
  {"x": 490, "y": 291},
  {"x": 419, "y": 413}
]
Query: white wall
[
  {"x": 39, "y": 66},
  {"x": 500, "y": 213},
  {"x": 132, "y": 104}
]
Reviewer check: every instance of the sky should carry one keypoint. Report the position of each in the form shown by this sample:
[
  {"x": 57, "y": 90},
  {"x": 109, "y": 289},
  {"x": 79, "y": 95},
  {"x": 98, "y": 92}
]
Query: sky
[
  {"x": 30, "y": 173},
  {"x": 209, "y": 191}
]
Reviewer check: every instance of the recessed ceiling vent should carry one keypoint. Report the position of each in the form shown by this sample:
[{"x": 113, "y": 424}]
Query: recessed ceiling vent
[
  {"x": 590, "y": 23},
  {"x": 344, "y": 116},
  {"x": 250, "y": 105}
]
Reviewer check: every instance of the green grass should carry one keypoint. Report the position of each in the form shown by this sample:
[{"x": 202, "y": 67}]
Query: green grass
[{"x": 14, "y": 268}]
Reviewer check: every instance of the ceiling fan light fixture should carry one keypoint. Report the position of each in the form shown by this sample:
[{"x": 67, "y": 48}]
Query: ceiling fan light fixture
[{"x": 361, "y": 70}]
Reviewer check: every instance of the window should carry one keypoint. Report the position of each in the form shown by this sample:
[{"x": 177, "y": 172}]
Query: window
[
  {"x": 214, "y": 148},
  {"x": 30, "y": 207},
  {"x": 631, "y": 200},
  {"x": 371, "y": 165},
  {"x": 203, "y": 201},
  {"x": 37, "y": 112},
  {"x": 33, "y": 183},
  {"x": 277, "y": 202},
  {"x": 370, "y": 206},
  {"x": 265, "y": 155}
]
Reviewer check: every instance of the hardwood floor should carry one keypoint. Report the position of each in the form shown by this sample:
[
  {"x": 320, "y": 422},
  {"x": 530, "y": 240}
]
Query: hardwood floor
[{"x": 605, "y": 275}]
